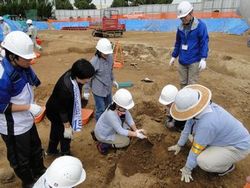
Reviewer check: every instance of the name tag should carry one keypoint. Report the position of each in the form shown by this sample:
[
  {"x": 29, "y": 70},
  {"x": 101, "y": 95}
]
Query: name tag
[{"x": 184, "y": 47}]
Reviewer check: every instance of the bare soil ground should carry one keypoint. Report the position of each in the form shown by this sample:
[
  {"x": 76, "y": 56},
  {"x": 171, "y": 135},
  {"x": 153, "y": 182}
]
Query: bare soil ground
[{"x": 146, "y": 163}]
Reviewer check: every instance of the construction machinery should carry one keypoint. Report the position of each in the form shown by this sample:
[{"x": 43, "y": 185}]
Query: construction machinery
[{"x": 109, "y": 26}]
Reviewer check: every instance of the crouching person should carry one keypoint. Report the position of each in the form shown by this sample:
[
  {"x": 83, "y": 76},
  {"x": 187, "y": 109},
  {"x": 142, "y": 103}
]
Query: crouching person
[
  {"x": 167, "y": 98},
  {"x": 64, "y": 172},
  {"x": 116, "y": 124},
  {"x": 220, "y": 140}
]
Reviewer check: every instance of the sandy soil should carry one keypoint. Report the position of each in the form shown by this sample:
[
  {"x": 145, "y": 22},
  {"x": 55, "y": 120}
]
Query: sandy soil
[{"x": 146, "y": 163}]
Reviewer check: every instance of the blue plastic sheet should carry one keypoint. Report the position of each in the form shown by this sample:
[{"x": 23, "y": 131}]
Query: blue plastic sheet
[
  {"x": 235, "y": 26},
  {"x": 60, "y": 25}
]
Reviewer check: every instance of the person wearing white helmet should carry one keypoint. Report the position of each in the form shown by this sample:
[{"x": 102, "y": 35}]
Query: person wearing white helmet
[
  {"x": 18, "y": 110},
  {"x": 220, "y": 140},
  {"x": 167, "y": 98},
  {"x": 116, "y": 124},
  {"x": 191, "y": 45},
  {"x": 103, "y": 80},
  {"x": 5, "y": 27},
  {"x": 32, "y": 32},
  {"x": 64, "y": 172}
]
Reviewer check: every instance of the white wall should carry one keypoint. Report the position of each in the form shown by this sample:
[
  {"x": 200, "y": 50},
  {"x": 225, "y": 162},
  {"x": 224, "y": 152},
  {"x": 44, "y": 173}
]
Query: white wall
[{"x": 244, "y": 9}]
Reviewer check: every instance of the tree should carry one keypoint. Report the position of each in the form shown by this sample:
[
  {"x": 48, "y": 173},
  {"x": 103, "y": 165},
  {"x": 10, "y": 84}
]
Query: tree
[
  {"x": 63, "y": 4},
  {"x": 119, "y": 3},
  {"x": 84, "y": 4}
]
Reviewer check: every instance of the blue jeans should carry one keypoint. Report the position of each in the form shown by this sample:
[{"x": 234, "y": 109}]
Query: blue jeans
[{"x": 101, "y": 103}]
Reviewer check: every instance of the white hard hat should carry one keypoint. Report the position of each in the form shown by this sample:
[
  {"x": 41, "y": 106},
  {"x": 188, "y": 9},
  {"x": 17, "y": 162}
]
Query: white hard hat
[
  {"x": 19, "y": 43},
  {"x": 184, "y": 8},
  {"x": 168, "y": 94},
  {"x": 123, "y": 98},
  {"x": 190, "y": 101},
  {"x": 65, "y": 172},
  {"x": 1, "y": 18},
  {"x": 104, "y": 46},
  {"x": 29, "y": 21}
]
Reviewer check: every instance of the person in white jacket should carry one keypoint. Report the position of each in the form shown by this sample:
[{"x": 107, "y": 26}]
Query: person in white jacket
[
  {"x": 32, "y": 32},
  {"x": 5, "y": 27}
]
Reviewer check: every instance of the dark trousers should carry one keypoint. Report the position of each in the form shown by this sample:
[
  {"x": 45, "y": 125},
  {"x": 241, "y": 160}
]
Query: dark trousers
[
  {"x": 56, "y": 136},
  {"x": 25, "y": 155}
]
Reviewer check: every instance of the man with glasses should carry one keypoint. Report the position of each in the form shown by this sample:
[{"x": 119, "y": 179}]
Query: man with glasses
[{"x": 191, "y": 45}]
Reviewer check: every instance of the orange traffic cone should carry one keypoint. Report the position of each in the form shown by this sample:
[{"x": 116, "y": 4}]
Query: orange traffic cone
[{"x": 118, "y": 57}]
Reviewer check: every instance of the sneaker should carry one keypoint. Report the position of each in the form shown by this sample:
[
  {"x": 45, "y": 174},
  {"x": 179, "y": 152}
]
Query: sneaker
[
  {"x": 227, "y": 171},
  {"x": 103, "y": 148}
]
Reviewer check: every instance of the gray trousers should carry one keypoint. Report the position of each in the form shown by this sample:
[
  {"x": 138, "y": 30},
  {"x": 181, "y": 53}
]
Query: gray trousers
[
  {"x": 119, "y": 142},
  {"x": 219, "y": 159},
  {"x": 189, "y": 74}
]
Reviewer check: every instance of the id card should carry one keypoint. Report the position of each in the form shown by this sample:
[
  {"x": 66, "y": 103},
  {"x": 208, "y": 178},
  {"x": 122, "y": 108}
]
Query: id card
[{"x": 184, "y": 47}]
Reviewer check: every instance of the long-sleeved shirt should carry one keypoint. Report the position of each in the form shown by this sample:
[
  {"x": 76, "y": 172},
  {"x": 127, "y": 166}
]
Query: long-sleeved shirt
[
  {"x": 32, "y": 32},
  {"x": 16, "y": 88},
  {"x": 109, "y": 124},
  {"x": 101, "y": 83},
  {"x": 5, "y": 28},
  {"x": 217, "y": 127},
  {"x": 195, "y": 40}
]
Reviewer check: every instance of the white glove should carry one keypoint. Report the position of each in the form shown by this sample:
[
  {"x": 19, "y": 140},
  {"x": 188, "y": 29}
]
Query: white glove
[
  {"x": 35, "y": 109},
  {"x": 186, "y": 174},
  {"x": 202, "y": 64},
  {"x": 86, "y": 96},
  {"x": 139, "y": 134},
  {"x": 175, "y": 148},
  {"x": 115, "y": 84},
  {"x": 68, "y": 132},
  {"x": 171, "y": 62}
]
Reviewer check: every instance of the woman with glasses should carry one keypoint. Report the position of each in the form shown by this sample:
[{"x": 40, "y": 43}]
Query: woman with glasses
[{"x": 116, "y": 124}]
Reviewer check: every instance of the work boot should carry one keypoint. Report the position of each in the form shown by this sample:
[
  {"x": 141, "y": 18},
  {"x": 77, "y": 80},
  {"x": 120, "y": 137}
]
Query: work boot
[{"x": 103, "y": 148}]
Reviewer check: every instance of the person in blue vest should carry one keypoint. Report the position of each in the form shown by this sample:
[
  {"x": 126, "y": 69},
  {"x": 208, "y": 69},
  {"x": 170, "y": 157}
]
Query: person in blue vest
[
  {"x": 18, "y": 110},
  {"x": 191, "y": 45},
  {"x": 220, "y": 140}
]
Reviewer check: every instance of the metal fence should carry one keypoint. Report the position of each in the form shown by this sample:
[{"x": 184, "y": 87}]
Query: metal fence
[
  {"x": 244, "y": 9},
  {"x": 205, "y": 6}
]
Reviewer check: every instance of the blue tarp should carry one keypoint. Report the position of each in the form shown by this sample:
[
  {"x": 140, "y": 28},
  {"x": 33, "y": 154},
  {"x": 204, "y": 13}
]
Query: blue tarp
[
  {"x": 235, "y": 26},
  {"x": 59, "y": 25},
  {"x": 41, "y": 25}
]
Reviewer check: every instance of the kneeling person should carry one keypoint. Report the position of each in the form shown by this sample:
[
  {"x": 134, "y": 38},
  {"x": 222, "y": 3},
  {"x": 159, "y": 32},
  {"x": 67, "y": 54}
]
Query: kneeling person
[{"x": 112, "y": 128}]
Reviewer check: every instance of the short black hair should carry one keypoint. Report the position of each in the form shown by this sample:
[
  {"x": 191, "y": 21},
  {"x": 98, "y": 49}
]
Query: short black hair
[
  {"x": 82, "y": 69},
  {"x": 8, "y": 55}
]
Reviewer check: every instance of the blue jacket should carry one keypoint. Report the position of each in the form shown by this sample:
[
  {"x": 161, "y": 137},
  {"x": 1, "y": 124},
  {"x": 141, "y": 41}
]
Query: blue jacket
[
  {"x": 196, "y": 39},
  {"x": 15, "y": 88}
]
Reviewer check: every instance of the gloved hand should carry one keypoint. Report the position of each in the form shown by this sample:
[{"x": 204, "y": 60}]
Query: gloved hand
[
  {"x": 115, "y": 84},
  {"x": 186, "y": 175},
  {"x": 175, "y": 148},
  {"x": 171, "y": 62},
  {"x": 35, "y": 109},
  {"x": 68, "y": 132},
  {"x": 139, "y": 134},
  {"x": 141, "y": 131},
  {"x": 86, "y": 96},
  {"x": 202, "y": 64}
]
